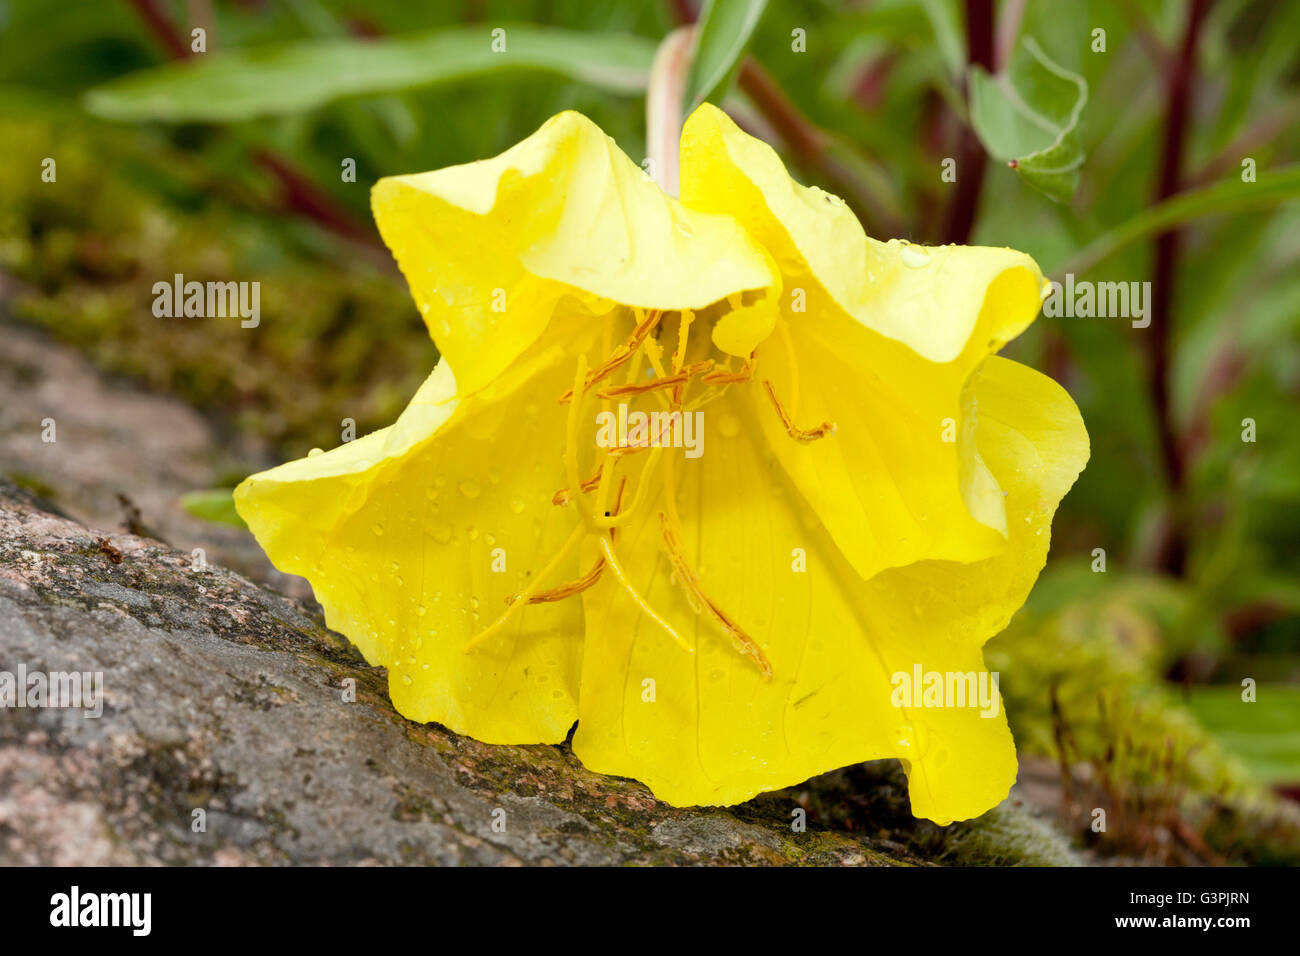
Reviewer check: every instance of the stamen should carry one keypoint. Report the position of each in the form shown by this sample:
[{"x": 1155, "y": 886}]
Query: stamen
[
  {"x": 620, "y": 355},
  {"x": 641, "y": 388},
  {"x": 801, "y": 435},
  {"x": 571, "y": 445},
  {"x": 734, "y": 378},
  {"x": 571, "y": 588},
  {"x": 683, "y": 334},
  {"x": 642, "y": 492},
  {"x": 563, "y": 496},
  {"x": 688, "y": 579},
  {"x": 650, "y": 612},
  {"x": 534, "y": 585},
  {"x": 622, "y": 451}
]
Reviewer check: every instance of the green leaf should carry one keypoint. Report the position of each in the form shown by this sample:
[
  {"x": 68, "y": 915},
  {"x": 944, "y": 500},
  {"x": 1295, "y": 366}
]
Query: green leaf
[
  {"x": 215, "y": 504},
  {"x": 945, "y": 21},
  {"x": 236, "y": 85},
  {"x": 1028, "y": 116},
  {"x": 723, "y": 30},
  {"x": 1264, "y": 734},
  {"x": 1280, "y": 185}
]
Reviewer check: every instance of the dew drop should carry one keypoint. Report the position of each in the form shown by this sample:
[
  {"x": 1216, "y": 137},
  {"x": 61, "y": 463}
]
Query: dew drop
[
  {"x": 469, "y": 488},
  {"x": 314, "y": 452},
  {"x": 914, "y": 257},
  {"x": 517, "y": 505}
]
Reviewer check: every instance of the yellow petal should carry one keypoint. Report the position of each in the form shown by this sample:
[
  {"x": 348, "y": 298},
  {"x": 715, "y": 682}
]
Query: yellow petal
[
  {"x": 883, "y": 340},
  {"x": 707, "y": 728},
  {"x": 1033, "y": 439},
  {"x": 489, "y": 248},
  {"x": 404, "y": 533},
  {"x": 931, "y": 299}
]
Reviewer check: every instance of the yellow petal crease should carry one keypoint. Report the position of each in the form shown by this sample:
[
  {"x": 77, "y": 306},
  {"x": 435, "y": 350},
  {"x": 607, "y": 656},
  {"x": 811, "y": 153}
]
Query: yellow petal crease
[
  {"x": 490, "y": 248},
  {"x": 414, "y": 537},
  {"x": 883, "y": 340}
]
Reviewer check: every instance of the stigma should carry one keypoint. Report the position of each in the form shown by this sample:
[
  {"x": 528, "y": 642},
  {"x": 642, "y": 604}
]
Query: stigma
[{"x": 678, "y": 383}]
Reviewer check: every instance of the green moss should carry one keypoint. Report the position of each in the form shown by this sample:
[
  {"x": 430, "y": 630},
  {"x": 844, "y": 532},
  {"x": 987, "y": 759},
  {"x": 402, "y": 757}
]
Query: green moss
[
  {"x": 1007, "y": 836},
  {"x": 338, "y": 339},
  {"x": 34, "y": 484}
]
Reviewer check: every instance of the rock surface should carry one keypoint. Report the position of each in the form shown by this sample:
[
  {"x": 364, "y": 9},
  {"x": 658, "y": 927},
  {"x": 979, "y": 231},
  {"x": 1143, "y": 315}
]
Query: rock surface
[
  {"x": 224, "y": 695},
  {"x": 122, "y": 457}
]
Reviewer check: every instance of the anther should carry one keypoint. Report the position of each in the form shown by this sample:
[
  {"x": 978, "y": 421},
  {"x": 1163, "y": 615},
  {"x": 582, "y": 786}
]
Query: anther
[
  {"x": 734, "y": 378},
  {"x": 688, "y": 579},
  {"x": 619, "y": 356},
  {"x": 571, "y": 588},
  {"x": 564, "y": 495},
  {"x": 670, "y": 381},
  {"x": 801, "y": 435}
]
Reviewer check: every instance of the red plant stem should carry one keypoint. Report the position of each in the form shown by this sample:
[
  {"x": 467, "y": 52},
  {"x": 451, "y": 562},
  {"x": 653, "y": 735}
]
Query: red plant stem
[
  {"x": 970, "y": 154},
  {"x": 298, "y": 193},
  {"x": 807, "y": 143},
  {"x": 161, "y": 26},
  {"x": 1171, "y": 555}
]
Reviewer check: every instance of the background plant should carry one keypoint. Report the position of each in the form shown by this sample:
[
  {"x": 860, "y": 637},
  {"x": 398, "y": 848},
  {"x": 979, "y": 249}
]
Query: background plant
[{"x": 1115, "y": 160}]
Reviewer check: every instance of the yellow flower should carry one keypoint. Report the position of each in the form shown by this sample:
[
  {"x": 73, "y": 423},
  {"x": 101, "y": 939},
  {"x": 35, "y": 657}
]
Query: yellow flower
[{"x": 872, "y": 498}]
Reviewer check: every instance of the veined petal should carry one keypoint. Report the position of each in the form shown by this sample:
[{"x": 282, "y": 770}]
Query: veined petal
[
  {"x": 489, "y": 248},
  {"x": 932, "y": 299},
  {"x": 1033, "y": 439},
  {"x": 883, "y": 340},
  {"x": 415, "y": 536},
  {"x": 708, "y": 728}
]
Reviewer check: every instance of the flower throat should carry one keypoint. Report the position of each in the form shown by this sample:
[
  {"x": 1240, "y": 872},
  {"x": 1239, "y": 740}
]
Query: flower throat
[{"x": 679, "y": 389}]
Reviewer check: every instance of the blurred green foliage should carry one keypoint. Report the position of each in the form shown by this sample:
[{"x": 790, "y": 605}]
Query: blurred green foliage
[{"x": 214, "y": 180}]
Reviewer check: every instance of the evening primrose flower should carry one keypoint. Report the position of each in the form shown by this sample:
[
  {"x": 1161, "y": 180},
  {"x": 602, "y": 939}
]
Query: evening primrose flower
[{"x": 871, "y": 502}]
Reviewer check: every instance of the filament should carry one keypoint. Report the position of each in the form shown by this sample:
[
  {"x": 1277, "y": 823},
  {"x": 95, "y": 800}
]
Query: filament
[{"x": 802, "y": 435}]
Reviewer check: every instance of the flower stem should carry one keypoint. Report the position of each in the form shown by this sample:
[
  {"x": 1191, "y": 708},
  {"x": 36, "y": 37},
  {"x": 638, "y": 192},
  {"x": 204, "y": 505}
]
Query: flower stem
[
  {"x": 663, "y": 107},
  {"x": 970, "y": 154},
  {"x": 1172, "y": 551}
]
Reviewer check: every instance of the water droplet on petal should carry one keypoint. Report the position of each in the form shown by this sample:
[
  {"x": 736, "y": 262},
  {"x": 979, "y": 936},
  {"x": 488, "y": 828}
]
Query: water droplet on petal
[{"x": 914, "y": 257}]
